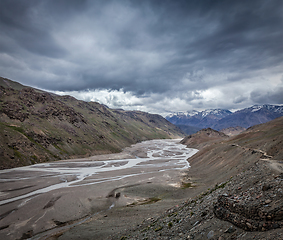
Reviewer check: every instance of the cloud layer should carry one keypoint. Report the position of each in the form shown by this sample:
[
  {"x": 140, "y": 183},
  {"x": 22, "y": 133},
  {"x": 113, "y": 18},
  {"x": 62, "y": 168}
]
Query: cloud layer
[{"x": 157, "y": 56}]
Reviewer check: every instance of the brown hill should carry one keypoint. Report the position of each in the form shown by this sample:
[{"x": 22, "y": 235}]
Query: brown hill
[
  {"x": 233, "y": 131},
  {"x": 225, "y": 157},
  {"x": 203, "y": 138},
  {"x": 267, "y": 138},
  {"x": 236, "y": 188},
  {"x": 37, "y": 126}
]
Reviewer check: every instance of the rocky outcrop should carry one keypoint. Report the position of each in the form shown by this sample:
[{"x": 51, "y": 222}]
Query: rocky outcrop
[
  {"x": 14, "y": 110},
  {"x": 29, "y": 102},
  {"x": 249, "y": 218}
]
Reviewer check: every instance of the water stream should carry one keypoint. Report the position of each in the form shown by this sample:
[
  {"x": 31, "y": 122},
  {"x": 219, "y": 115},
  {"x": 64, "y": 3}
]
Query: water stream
[{"x": 163, "y": 155}]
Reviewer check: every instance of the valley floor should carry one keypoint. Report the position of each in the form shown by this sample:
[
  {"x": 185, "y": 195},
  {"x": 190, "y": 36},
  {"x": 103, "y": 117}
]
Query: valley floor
[
  {"x": 229, "y": 192},
  {"x": 51, "y": 199},
  {"x": 242, "y": 199}
]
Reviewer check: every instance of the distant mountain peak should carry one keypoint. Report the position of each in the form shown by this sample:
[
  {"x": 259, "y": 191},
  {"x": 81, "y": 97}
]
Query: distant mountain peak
[
  {"x": 256, "y": 108},
  {"x": 223, "y": 118},
  {"x": 216, "y": 112}
]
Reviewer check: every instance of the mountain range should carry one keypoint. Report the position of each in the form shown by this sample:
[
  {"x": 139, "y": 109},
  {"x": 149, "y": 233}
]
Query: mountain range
[
  {"x": 219, "y": 119},
  {"x": 37, "y": 126}
]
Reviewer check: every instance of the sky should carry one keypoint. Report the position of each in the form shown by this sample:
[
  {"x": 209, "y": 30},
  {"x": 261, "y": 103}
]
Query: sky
[{"x": 157, "y": 56}]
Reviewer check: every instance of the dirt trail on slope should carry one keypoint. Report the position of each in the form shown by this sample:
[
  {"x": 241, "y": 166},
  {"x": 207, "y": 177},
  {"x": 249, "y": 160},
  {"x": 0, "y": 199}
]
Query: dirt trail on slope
[{"x": 273, "y": 164}]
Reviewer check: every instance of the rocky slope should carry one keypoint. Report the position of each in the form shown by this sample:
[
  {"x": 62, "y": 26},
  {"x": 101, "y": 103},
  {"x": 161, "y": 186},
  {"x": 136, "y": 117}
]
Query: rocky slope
[
  {"x": 221, "y": 118},
  {"x": 238, "y": 182},
  {"x": 232, "y": 131},
  {"x": 203, "y": 138},
  {"x": 37, "y": 126}
]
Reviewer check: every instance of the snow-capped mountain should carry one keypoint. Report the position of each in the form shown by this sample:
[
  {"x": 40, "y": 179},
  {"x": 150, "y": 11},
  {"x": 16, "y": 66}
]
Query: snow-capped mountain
[
  {"x": 271, "y": 108},
  {"x": 183, "y": 114},
  {"x": 222, "y": 118},
  {"x": 198, "y": 119},
  {"x": 220, "y": 113}
]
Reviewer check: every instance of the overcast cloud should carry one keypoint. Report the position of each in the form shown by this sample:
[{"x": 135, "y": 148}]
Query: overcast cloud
[{"x": 158, "y": 56}]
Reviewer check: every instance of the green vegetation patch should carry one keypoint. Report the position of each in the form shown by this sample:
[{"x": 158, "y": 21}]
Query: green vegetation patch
[
  {"x": 187, "y": 185},
  {"x": 209, "y": 191},
  {"x": 151, "y": 200},
  {"x": 173, "y": 214},
  {"x": 158, "y": 228},
  {"x": 18, "y": 129},
  {"x": 33, "y": 159},
  {"x": 22, "y": 131}
]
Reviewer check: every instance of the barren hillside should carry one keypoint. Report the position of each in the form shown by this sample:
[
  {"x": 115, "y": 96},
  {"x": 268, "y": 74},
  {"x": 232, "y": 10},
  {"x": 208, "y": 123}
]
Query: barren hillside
[
  {"x": 236, "y": 186},
  {"x": 37, "y": 126}
]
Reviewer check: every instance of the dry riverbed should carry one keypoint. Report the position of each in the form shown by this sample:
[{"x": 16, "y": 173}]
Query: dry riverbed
[{"x": 95, "y": 197}]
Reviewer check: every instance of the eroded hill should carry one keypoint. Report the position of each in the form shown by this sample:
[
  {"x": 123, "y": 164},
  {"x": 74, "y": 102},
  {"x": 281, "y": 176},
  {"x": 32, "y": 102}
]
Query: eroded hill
[
  {"x": 204, "y": 137},
  {"x": 37, "y": 126}
]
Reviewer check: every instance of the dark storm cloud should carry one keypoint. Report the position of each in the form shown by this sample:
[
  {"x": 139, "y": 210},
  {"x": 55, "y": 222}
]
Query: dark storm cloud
[
  {"x": 22, "y": 30},
  {"x": 194, "y": 50},
  {"x": 271, "y": 97}
]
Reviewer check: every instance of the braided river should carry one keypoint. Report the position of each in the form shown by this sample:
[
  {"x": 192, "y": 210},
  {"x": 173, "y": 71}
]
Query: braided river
[{"x": 40, "y": 197}]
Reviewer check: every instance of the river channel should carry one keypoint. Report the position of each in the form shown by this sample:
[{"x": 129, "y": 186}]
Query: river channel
[{"x": 46, "y": 196}]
